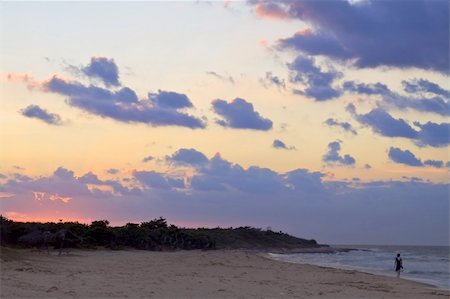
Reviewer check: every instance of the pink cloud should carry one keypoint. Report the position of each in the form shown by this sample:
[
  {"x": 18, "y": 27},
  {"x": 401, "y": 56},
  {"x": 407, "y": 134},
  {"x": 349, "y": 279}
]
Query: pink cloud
[
  {"x": 38, "y": 195},
  {"x": 6, "y": 194},
  {"x": 226, "y": 3},
  {"x": 64, "y": 199},
  {"x": 270, "y": 11},
  {"x": 30, "y": 82}
]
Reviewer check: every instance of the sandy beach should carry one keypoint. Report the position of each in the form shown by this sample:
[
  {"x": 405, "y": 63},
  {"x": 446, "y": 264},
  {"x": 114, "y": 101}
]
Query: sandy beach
[{"x": 188, "y": 274}]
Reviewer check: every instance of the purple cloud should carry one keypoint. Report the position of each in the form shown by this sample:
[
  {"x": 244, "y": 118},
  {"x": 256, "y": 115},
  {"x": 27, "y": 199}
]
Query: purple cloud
[
  {"x": 417, "y": 101},
  {"x": 384, "y": 124},
  {"x": 147, "y": 159},
  {"x": 223, "y": 193},
  {"x": 170, "y": 100},
  {"x": 240, "y": 114},
  {"x": 433, "y": 134},
  {"x": 368, "y": 89},
  {"x": 381, "y": 122},
  {"x": 434, "y": 163},
  {"x": 271, "y": 79},
  {"x": 104, "y": 69},
  {"x": 347, "y": 127},
  {"x": 112, "y": 171},
  {"x": 318, "y": 83},
  {"x": 278, "y": 144},
  {"x": 34, "y": 111},
  {"x": 156, "y": 180},
  {"x": 333, "y": 156},
  {"x": 219, "y": 174},
  {"x": 221, "y": 77},
  {"x": 404, "y": 157},
  {"x": 64, "y": 173},
  {"x": 188, "y": 156},
  {"x": 424, "y": 86},
  {"x": 305, "y": 181},
  {"x": 408, "y": 158},
  {"x": 341, "y": 30},
  {"x": 159, "y": 109}
]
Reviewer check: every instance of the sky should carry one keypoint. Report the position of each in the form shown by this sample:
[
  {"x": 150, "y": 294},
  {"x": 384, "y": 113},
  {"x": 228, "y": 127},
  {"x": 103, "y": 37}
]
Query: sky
[{"x": 327, "y": 120}]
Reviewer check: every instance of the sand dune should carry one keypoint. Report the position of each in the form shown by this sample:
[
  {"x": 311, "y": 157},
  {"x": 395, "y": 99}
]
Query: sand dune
[{"x": 187, "y": 274}]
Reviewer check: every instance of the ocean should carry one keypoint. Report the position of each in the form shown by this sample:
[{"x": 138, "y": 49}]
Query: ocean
[{"x": 428, "y": 264}]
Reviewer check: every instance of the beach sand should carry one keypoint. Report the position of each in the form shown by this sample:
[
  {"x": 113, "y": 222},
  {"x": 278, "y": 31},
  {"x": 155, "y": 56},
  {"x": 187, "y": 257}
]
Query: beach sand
[{"x": 187, "y": 274}]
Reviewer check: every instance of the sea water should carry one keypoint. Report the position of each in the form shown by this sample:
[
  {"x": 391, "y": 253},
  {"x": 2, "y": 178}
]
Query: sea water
[{"x": 428, "y": 264}]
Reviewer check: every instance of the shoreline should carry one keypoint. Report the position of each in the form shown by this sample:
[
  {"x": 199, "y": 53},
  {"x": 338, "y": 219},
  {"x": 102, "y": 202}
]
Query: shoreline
[
  {"x": 193, "y": 274},
  {"x": 349, "y": 268},
  {"x": 312, "y": 249}
]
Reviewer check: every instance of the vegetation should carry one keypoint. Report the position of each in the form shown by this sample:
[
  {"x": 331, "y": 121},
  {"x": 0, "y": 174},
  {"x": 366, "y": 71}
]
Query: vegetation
[
  {"x": 252, "y": 238},
  {"x": 152, "y": 235}
]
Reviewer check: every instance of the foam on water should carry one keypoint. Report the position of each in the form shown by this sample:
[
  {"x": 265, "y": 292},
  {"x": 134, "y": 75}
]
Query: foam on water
[{"x": 429, "y": 264}]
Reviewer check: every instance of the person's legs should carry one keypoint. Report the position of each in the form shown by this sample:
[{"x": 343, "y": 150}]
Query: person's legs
[{"x": 398, "y": 274}]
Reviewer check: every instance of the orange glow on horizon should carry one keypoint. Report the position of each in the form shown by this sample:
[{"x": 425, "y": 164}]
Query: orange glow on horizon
[{"x": 21, "y": 217}]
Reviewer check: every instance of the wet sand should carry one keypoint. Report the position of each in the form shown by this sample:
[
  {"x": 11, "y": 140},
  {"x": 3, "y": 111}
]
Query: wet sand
[{"x": 188, "y": 274}]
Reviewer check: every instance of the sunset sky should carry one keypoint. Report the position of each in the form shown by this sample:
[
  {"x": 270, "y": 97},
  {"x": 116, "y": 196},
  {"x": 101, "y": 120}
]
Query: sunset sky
[{"x": 324, "y": 119}]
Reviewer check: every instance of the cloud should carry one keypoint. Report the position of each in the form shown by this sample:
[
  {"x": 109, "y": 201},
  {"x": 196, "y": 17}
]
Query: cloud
[
  {"x": 270, "y": 11},
  {"x": 311, "y": 43},
  {"x": 21, "y": 178},
  {"x": 188, "y": 156},
  {"x": 34, "y": 111},
  {"x": 433, "y": 134},
  {"x": 381, "y": 122},
  {"x": 271, "y": 79},
  {"x": 347, "y": 127},
  {"x": 104, "y": 69},
  {"x": 6, "y": 195},
  {"x": 278, "y": 144},
  {"x": 333, "y": 156},
  {"x": 163, "y": 108},
  {"x": 240, "y": 114},
  {"x": 403, "y": 157},
  {"x": 408, "y": 158},
  {"x": 156, "y": 180},
  {"x": 63, "y": 173},
  {"x": 90, "y": 178},
  {"x": 434, "y": 163},
  {"x": 305, "y": 181},
  {"x": 228, "y": 79},
  {"x": 418, "y": 100},
  {"x": 318, "y": 83},
  {"x": 368, "y": 89},
  {"x": 222, "y": 193},
  {"x": 424, "y": 86},
  {"x": 64, "y": 199},
  {"x": 147, "y": 159},
  {"x": 384, "y": 124},
  {"x": 115, "y": 187},
  {"x": 219, "y": 174},
  {"x": 159, "y": 109},
  {"x": 170, "y": 100},
  {"x": 341, "y": 30},
  {"x": 112, "y": 171}
]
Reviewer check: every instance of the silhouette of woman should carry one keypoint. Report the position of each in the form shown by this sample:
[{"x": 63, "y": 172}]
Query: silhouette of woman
[{"x": 398, "y": 265}]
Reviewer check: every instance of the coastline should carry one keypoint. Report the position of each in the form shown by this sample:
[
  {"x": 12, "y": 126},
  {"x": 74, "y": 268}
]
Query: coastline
[
  {"x": 365, "y": 263},
  {"x": 312, "y": 249},
  {"x": 349, "y": 268},
  {"x": 193, "y": 274}
]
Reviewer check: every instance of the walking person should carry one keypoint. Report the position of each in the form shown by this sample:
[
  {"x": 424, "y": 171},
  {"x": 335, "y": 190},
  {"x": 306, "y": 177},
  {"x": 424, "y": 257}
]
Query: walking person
[{"x": 398, "y": 265}]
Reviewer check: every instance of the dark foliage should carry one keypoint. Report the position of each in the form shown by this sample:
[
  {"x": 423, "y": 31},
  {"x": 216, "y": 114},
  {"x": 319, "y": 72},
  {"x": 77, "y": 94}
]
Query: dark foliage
[{"x": 152, "y": 235}]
